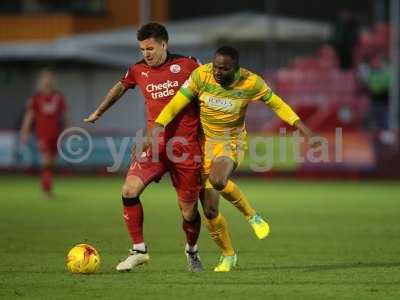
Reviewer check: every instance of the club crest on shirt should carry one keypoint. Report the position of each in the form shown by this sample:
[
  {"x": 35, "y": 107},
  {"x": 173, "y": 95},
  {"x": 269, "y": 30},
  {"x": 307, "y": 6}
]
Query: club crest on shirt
[
  {"x": 50, "y": 108},
  {"x": 175, "y": 68}
]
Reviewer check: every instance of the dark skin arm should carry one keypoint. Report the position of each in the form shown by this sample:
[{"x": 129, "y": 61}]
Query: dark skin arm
[
  {"x": 307, "y": 132},
  {"x": 303, "y": 128}
]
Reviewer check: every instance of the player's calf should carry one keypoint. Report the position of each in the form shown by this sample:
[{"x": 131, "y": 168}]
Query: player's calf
[{"x": 210, "y": 203}]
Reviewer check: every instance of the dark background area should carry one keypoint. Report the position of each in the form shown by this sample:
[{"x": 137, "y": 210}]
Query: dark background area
[{"x": 179, "y": 9}]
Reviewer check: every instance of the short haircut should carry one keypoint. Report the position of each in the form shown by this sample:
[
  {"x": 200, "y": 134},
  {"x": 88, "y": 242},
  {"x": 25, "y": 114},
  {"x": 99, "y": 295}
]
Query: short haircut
[
  {"x": 229, "y": 51},
  {"x": 152, "y": 30}
]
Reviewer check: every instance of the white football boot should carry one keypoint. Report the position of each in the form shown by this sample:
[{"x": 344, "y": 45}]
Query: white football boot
[
  {"x": 135, "y": 258},
  {"x": 193, "y": 261}
]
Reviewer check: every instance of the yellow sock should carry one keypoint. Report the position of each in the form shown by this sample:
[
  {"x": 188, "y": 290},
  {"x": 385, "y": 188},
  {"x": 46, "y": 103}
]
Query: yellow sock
[
  {"x": 218, "y": 229},
  {"x": 234, "y": 195}
]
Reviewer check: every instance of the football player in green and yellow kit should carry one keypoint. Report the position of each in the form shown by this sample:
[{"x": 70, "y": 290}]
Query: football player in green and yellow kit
[{"x": 224, "y": 90}]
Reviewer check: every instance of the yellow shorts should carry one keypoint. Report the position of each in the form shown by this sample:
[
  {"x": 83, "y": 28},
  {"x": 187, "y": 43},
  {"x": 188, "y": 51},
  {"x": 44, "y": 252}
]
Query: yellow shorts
[{"x": 213, "y": 149}]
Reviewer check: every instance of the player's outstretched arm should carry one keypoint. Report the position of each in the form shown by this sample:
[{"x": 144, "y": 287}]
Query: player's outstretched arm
[
  {"x": 179, "y": 102},
  {"x": 283, "y": 110},
  {"x": 303, "y": 128},
  {"x": 113, "y": 95},
  {"x": 286, "y": 113},
  {"x": 26, "y": 126}
]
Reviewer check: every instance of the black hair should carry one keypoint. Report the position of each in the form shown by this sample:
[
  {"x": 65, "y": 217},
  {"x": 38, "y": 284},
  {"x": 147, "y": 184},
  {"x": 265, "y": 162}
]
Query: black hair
[
  {"x": 152, "y": 30},
  {"x": 229, "y": 51}
]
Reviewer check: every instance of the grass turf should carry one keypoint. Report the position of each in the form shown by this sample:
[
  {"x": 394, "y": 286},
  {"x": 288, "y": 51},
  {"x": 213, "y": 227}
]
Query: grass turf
[{"x": 329, "y": 240}]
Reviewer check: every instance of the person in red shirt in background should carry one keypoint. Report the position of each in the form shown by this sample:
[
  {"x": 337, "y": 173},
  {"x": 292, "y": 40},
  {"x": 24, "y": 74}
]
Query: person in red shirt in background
[{"x": 47, "y": 110}]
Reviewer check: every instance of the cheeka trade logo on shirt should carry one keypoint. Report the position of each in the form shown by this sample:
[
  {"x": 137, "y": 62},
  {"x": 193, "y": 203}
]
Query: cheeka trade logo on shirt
[{"x": 161, "y": 90}]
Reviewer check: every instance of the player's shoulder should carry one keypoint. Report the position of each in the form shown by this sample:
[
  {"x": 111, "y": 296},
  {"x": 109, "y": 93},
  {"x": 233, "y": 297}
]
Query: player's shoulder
[
  {"x": 205, "y": 69},
  {"x": 250, "y": 77},
  {"x": 36, "y": 95},
  {"x": 247, "y": 74},
  {"x": 57, "y": 93},
  {"x": 138, "y": 65},
  {"x": 202, "y": 73},
  {"x": 175, "y": 57}
]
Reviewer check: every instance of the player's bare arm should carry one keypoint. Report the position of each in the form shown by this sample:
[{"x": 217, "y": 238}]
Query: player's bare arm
[
  {"x": 113, "y": 95},
  {"x": 303, "y": 128},
  {"x": 307, "y": 132},
  {"x": 26, "y": 126},
  {"x": 285, "y": 112}
]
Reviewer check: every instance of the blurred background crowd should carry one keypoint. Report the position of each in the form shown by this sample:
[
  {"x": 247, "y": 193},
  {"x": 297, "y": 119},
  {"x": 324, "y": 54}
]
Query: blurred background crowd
[{"x": 336, "y": 63}]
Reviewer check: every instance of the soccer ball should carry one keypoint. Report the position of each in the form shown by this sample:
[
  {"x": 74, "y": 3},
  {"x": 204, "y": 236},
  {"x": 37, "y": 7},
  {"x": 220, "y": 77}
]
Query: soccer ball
[{"x": 83, "y": 259}]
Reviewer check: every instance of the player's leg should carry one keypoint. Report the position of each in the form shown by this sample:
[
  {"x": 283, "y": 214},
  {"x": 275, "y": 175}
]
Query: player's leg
[
  {"x": 48, "y": 149},
  {"x": 191, "y": 222},
  {"x": 187, "y": 184},
  {"x": 140, "y": 174},
  {"x": 133, "y": 210},
  {"x": 133, "y": 216},
  {"x": 191, "y": 225},
  {"x": 222, "y": 168},
  {"x": 230, "y": 191},
  {"x": 218, "y": 229}
]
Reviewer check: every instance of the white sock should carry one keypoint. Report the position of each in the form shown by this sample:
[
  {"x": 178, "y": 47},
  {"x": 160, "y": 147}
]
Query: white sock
[
  {"x": 140, "y": 247},
  {"x": 191, "y": 248}
]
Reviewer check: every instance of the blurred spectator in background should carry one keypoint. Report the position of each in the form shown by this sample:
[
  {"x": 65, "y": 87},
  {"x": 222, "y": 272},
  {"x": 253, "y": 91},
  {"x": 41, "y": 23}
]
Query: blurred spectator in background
[
  {"x": 47, "y": 110},
  {"x": 375, "y": 76},
  {"x": 344, "y": 38}
]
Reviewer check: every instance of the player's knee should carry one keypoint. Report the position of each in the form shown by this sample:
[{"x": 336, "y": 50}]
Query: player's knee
[
  {"x": 210, "y": 212},
  {"x": 130, "y": 191},
  {"x": 47, "y": 161},
  {"x": 189, "y": 214},
  {"x": 217, "y": 182}
]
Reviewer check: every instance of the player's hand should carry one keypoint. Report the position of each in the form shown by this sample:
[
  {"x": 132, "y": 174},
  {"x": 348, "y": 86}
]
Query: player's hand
[
  {"x": 153, "y": 138},
  {"x": 133, "y": 152},
  {"x": 92, "y": 118},
  {"x": 23, "y": 138},
  {"x": 314, "y": 141},
  {"x": 312, "y": 138}
]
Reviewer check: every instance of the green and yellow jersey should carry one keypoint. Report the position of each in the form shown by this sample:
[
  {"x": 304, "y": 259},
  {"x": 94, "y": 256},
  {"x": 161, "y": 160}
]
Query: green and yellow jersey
[{"x": 223, "y": 109}]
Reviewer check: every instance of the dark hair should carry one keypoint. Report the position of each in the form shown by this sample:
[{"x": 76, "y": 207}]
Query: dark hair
[
  {"x": 229, "y": 51},
  {"x": 152, "y": 30}
]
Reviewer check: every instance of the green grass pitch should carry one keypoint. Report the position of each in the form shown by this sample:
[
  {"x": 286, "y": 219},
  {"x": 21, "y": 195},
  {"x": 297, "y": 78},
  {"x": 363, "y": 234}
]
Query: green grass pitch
[{"x": 329, "y": 240}]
